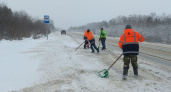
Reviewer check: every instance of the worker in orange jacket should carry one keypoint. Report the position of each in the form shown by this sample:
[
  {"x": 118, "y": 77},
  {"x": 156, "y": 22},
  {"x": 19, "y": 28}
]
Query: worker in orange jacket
[
  {"x": 85, "y": 38},
  {"x": 129, "y": 43},
  {"x": 90, "y": 38}
]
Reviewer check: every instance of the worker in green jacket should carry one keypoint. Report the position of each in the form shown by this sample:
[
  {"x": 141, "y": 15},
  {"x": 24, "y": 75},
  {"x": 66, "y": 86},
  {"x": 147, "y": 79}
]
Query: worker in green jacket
[{"x": 102, "y": 38}]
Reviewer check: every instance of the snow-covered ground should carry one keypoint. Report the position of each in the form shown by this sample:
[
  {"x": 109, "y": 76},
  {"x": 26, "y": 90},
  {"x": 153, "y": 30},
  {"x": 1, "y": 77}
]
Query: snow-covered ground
[{"x": 54, "y": 66}]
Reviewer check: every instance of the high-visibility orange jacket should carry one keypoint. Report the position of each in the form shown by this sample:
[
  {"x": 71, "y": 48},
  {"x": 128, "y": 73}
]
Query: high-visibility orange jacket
[
  {"x": 89, "y": 35},
  {"x": 85, "y": 38},
  {"x": 85, "y": 33},
  {"x": 129, "y": 42}
]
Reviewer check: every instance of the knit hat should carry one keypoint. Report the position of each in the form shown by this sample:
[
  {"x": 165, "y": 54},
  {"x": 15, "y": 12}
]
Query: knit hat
[
  {"x": 128, "y": 27},
  {"x": 88, "y": 30}
]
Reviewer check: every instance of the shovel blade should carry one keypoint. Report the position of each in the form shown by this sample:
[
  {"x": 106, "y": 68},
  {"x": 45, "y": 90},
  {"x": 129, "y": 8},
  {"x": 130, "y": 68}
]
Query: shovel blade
[{"x": 103, "y": 74}]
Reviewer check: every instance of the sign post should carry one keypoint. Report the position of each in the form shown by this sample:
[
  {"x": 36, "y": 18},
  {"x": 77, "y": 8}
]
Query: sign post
[{"x": 46, "y": 20}]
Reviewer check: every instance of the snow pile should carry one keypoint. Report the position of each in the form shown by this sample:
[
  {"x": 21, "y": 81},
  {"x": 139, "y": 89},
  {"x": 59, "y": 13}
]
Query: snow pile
[{"x": 18, "y": 69}]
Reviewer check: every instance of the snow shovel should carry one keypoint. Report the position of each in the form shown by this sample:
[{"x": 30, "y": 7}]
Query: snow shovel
[
  {"x": 104, "y": 73},
  {"x": 79, "y": 46}
]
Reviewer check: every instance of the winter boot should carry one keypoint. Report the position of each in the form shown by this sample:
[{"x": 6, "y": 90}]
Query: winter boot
[
  {"x": 97, "y": 50},
  {"x": 92, "y": 52},
  {"x": 124, "y": 77},
  {"x": 135, "y": 72},
  {"x": 125, "y": 74},
  {"x": 84, "y": 47}
]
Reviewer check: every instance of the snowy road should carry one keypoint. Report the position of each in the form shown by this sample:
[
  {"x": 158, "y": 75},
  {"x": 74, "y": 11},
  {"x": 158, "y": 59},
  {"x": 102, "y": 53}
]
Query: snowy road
[
  {"x": 152, "y": 51},
  {"x": 59, "y": 68}
]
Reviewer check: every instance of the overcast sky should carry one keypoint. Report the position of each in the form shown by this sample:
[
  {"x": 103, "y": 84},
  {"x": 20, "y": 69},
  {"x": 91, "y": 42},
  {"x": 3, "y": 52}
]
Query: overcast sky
[{"x": 67, "y": 13}]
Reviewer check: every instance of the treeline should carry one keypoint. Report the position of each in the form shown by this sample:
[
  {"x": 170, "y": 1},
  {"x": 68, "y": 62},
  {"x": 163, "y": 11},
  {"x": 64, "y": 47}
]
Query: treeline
[
  {"x": 155, "y": 28},
  {"x": 19, "y": 25}
]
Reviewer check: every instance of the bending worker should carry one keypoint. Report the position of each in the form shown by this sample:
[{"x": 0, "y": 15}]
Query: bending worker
[
  {"x": 85, "y": 38},
  {"x": 102, "y": 38},
  {"x": 90, "y": 38},
  {"x": 129, "y": 43}
]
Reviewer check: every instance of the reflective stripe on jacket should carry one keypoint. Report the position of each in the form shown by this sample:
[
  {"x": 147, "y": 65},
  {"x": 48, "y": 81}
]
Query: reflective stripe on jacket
[{"x": 129, "y": 42}]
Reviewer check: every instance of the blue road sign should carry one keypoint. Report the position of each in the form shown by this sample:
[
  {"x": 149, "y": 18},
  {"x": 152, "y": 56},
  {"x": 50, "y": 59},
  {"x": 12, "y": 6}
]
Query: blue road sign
[{"x": 46, "y": 19}]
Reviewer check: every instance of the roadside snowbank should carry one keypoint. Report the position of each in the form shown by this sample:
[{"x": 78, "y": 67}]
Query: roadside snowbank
[{"x": 17, "y": 68}]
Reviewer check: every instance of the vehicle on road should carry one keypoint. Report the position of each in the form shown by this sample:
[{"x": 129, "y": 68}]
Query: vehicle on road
[{"x": 63, "y": 32}]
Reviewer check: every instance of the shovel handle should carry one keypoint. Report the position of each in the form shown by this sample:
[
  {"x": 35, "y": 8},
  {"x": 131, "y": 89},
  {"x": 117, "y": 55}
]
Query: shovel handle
[
  {"x": 114, "y": 62},
  {"x": 79, "y": 46}
]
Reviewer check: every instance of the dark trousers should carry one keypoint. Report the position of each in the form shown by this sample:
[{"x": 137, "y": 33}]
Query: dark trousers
[
  {"x": 86, "y": 42},
  {"x": 103, "y": 44},
  {"x": 92, "y": 42}
]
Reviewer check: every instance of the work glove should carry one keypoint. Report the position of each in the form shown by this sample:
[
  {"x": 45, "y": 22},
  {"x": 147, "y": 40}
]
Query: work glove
[
  {"x": 99, "y": 39},
  {"x": 84, "y": 38}
]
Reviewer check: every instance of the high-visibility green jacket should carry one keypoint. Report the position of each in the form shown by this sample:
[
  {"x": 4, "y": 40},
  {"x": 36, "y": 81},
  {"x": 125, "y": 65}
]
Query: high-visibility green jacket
[{"x": 102, "y": 34}]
